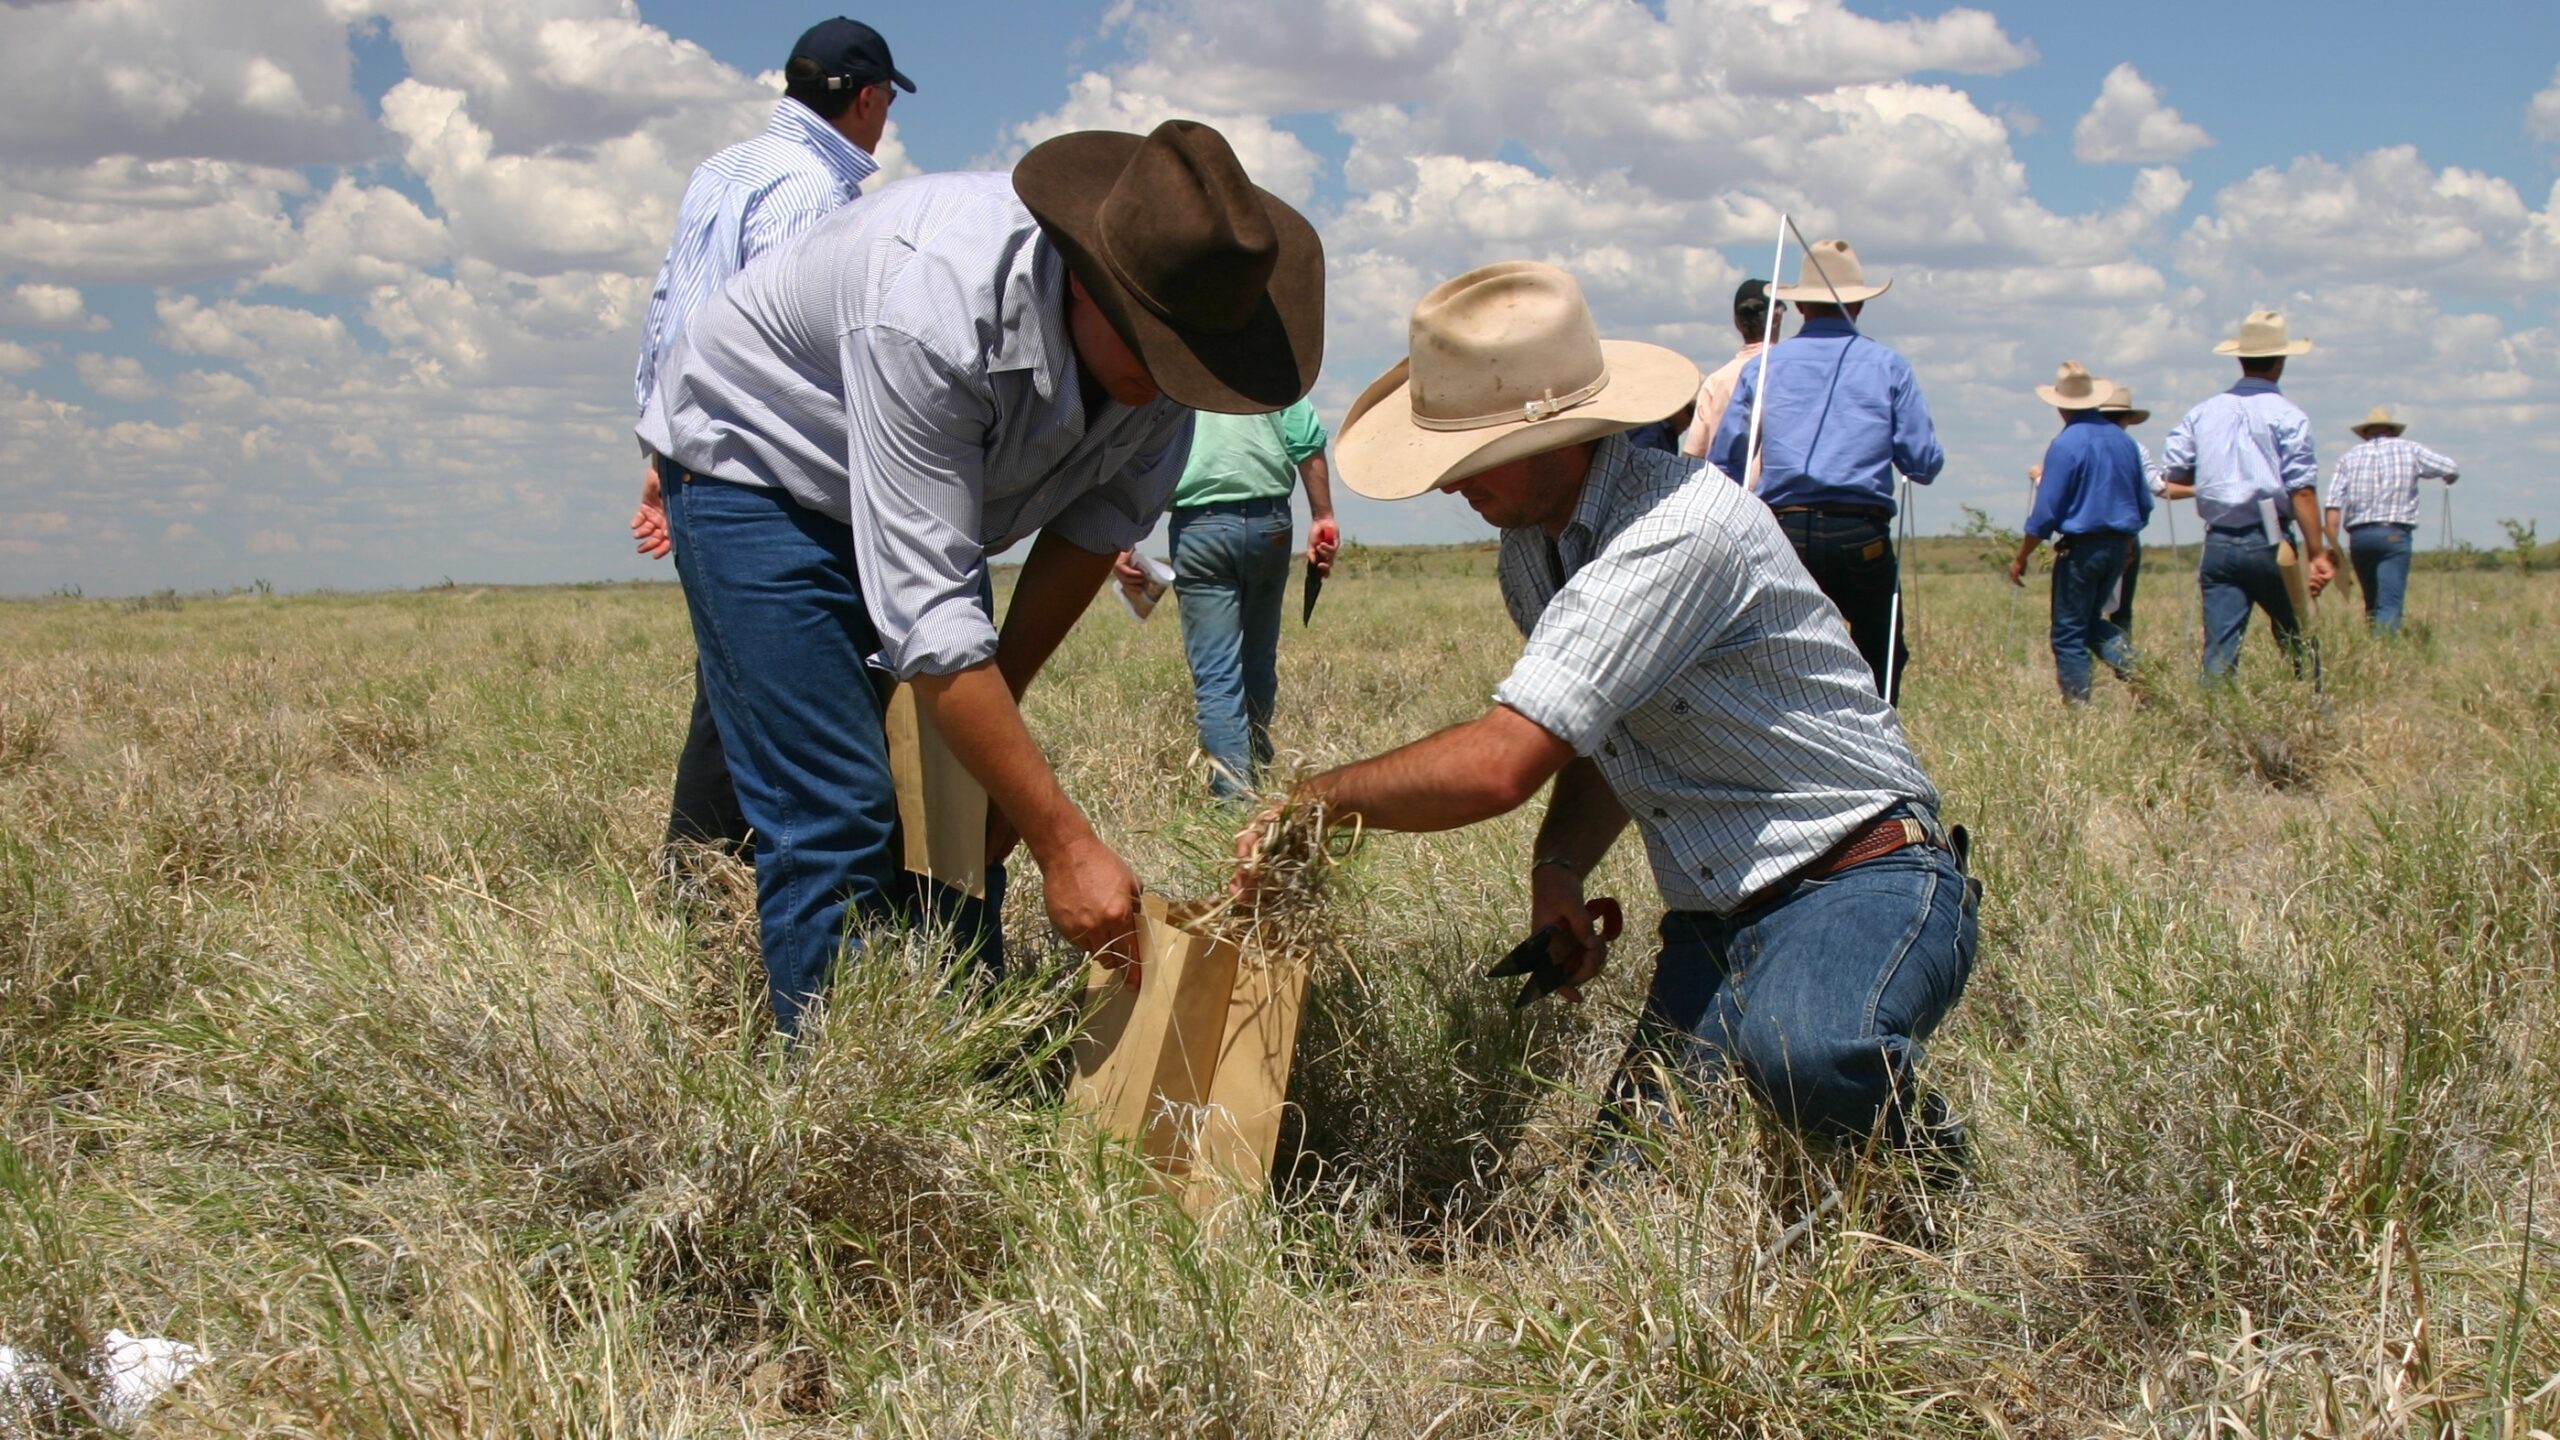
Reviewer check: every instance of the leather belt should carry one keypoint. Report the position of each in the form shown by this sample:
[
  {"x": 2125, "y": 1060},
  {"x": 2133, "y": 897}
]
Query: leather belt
[
  {"x": 1873, "y": 841},
  {"x": 1850, "y": 512}
]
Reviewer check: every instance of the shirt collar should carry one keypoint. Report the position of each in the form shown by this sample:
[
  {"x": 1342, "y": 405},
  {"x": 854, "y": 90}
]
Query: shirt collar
[
  {"x": 801, "y": 126},
  {"x": 1600, "y": 484},
  {"x": 2252, "y": 385},
  {"x": 1828, "y": 325}
]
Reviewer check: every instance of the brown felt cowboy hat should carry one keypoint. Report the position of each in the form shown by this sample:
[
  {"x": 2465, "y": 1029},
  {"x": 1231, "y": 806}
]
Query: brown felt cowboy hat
[
  {"x": 2074, "y": 388},
  {"x": 2377, "y": 418},
  {"x": 1504, "y": 362},
  {"x": 1216, "y": 283},
  {"x": 2262, "y": 335},
  {"x": 1830, "y": 276},
  {"x": 2120, "y": 405}
]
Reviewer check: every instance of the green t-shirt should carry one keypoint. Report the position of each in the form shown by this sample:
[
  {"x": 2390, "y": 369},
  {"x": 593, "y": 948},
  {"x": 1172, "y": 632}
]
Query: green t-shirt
[{"x": 1247, "y": 457}]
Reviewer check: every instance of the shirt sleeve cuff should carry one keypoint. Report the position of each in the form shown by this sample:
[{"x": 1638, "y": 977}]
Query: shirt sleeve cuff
[
  {"x": 945, "y": 641},
  {"x": 1558, "y": 700}
]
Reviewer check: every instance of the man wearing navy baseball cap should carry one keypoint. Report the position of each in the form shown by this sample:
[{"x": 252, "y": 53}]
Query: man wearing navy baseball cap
[{"x": 812, "y": 157}]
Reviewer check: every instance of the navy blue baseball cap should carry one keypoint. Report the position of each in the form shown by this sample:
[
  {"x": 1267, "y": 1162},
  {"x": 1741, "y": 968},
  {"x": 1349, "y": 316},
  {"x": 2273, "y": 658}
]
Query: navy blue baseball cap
[{"x": 851, "y": 53}]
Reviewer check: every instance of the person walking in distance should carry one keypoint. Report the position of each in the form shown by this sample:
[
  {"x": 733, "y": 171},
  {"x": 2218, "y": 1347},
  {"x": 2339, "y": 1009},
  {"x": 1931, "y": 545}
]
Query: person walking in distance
[
  {"x": 2246, "y": 458},
  {"x": 2373, "y": 501},
  {"x": 2092, "y": 502},
  {"x": 811, "y": 158},
  {"x": 1840, "y": 415},
  {"x": 1231, "y": 574}
]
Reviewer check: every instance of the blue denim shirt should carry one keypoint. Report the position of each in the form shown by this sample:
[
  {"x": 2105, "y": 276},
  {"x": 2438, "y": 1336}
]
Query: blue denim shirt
[
  {"x": 1843, "y": 414},
  {"x": 2092, "y": 482}
]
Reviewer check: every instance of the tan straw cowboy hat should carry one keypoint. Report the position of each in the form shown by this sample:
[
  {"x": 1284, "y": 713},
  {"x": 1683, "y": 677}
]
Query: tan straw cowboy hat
[
  {"x": 2377, "y": 418},
  {"x": 2262, "y": 335},
  {"x": 2074, "y": 388},
  {"x": 1830, "y": 276},
  {"x": 1505, "y": 362},
  {"x": 1216, "y": 284},
  {"x": 2120, "y": 404}
]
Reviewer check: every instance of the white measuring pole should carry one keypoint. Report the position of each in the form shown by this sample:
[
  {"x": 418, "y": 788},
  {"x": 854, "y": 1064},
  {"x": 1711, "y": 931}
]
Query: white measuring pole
[{"x": 1750, "y": 476}]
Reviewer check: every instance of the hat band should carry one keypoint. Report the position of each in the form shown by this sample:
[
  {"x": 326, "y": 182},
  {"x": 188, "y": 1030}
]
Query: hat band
[{"x": 1545, "y": 407}]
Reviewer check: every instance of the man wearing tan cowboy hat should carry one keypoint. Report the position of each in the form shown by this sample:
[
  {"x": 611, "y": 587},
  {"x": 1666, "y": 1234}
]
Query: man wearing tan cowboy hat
[
  {"x": 1681, "y": 671},
  {"x": 927, "y": 377},
  {"x": 1842, "y": 414},
  {"x": 2246, "y": 457},
  {"x": 2373, "y": 494},
  {"x": 2092, "y": 502}
]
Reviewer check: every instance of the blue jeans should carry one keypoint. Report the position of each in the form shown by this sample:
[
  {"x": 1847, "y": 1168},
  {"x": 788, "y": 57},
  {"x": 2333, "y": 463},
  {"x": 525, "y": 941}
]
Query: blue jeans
[
  {"x": 2239, "y": 572},
  {"x": 2086, "y": 572},
  {"x": 2381, "y": 556},
  {"x": 1851, "y": 559},
  {"x": 779, "y": 620},
  {"x": 1819, "y": 997},
  {"x": 1231, "y": 576}
]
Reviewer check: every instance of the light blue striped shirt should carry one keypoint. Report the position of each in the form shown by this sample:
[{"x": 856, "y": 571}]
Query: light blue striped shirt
[
  {"x": 2246, "y": 445},
  {"x": 741, "y": 203},
  {"x": 1676, "y": 640},
  {"x": 906, "y": 368}
]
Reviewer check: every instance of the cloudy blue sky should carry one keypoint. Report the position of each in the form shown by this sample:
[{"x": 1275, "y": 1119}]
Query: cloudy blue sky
[{"x": 345, "y": 292}]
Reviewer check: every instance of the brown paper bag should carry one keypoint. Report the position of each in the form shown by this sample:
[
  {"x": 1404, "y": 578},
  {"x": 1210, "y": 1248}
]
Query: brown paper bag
[
  {"x": 942, "y": 809},
  {"x": 1194, "y": 1064}
]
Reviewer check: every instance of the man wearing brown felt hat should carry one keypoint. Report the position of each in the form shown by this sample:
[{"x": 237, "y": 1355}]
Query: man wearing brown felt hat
[
  {"x": 1682, "y": 673},
  {"x": 933, "y": 374}
]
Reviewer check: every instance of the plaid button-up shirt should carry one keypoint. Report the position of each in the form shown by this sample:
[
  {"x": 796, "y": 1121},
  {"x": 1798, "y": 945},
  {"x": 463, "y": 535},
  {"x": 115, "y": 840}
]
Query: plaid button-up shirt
[
  {"x": 2376, "y": 483},
  {"x": 1676, "y": 640}
]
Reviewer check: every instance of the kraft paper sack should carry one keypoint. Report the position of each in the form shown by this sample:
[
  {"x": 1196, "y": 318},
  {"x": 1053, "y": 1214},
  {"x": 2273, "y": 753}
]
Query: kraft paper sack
[
  {"x": 1193, "y": 1065},
  {"x": 942, "y": 809}
]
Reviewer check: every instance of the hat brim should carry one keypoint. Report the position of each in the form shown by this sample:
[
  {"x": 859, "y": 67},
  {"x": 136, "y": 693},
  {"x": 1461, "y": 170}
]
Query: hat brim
[
  {"x": 2130, "y": 417},
  {"x": 1826, "y": 295},
  {"x": 1267, "y": 364},
  {"x": 2060, "y": 401},
  {"x": 2366, "y": 431},
  {"x": 1382, "y": 454},
  {"x": 2232, "y": 347}
]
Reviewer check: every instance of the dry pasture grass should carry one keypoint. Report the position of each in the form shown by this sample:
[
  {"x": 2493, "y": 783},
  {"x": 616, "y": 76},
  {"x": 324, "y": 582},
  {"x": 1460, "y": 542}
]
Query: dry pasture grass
[{"x": 347, "y": 1030}]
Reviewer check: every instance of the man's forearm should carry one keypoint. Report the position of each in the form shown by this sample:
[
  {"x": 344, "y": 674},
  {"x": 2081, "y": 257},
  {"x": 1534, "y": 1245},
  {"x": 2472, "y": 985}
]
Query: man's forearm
[
  {"x": 1058, "y": 581},
  {"x": 1458, "y": 776},
  {"x": 975, "y": 711},
  {"x": 1583, "y": 820},
  {"x": 1319, "y": 482},
  {"x": 2306, "y": 513}
]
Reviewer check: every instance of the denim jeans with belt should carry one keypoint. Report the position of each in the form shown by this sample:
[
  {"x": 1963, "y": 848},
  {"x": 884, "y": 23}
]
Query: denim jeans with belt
[
  {"x": 2381, "y": 556},
  {"x": 2086, "y": 572},
  {"x": 2239, "y": 572},
  {"x": 780, "y": 623},
  {"x": 1819, "y": 997},
  {"x": 1231, "y": 577},
  {"x": 1851, "y": 559}
]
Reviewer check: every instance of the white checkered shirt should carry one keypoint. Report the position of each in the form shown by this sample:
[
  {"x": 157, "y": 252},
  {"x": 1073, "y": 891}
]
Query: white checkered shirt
[
  {"x": 1675, "y": 638},
  {"x": 2376, "y": 483}
]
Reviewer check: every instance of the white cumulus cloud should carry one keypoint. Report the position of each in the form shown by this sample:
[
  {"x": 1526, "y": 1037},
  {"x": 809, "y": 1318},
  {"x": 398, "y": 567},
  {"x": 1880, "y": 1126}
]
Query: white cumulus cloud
[
  {"x": 117, "y": 377},
  {"x": 48, "y": 307},
  {"x": 2129, "y": 125}
]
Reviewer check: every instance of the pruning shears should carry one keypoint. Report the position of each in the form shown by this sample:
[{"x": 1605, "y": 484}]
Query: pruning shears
[{"x": 1536, "y": 956}]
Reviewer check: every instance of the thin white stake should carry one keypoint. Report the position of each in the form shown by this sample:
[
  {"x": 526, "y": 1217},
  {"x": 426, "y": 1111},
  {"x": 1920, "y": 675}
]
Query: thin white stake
[{"x": 1750, "y": 476}]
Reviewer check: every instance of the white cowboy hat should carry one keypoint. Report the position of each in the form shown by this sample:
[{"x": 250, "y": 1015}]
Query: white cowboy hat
[
  {"x": 2262, "y": 335},
  {"x": 1830, "y": 276},
  {"x": 2120, "y": 404},
  {"x": 2377, "y": 418},
  {"x": 1504, "y": 362},
  {"x": 2074, "y": 388}
]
